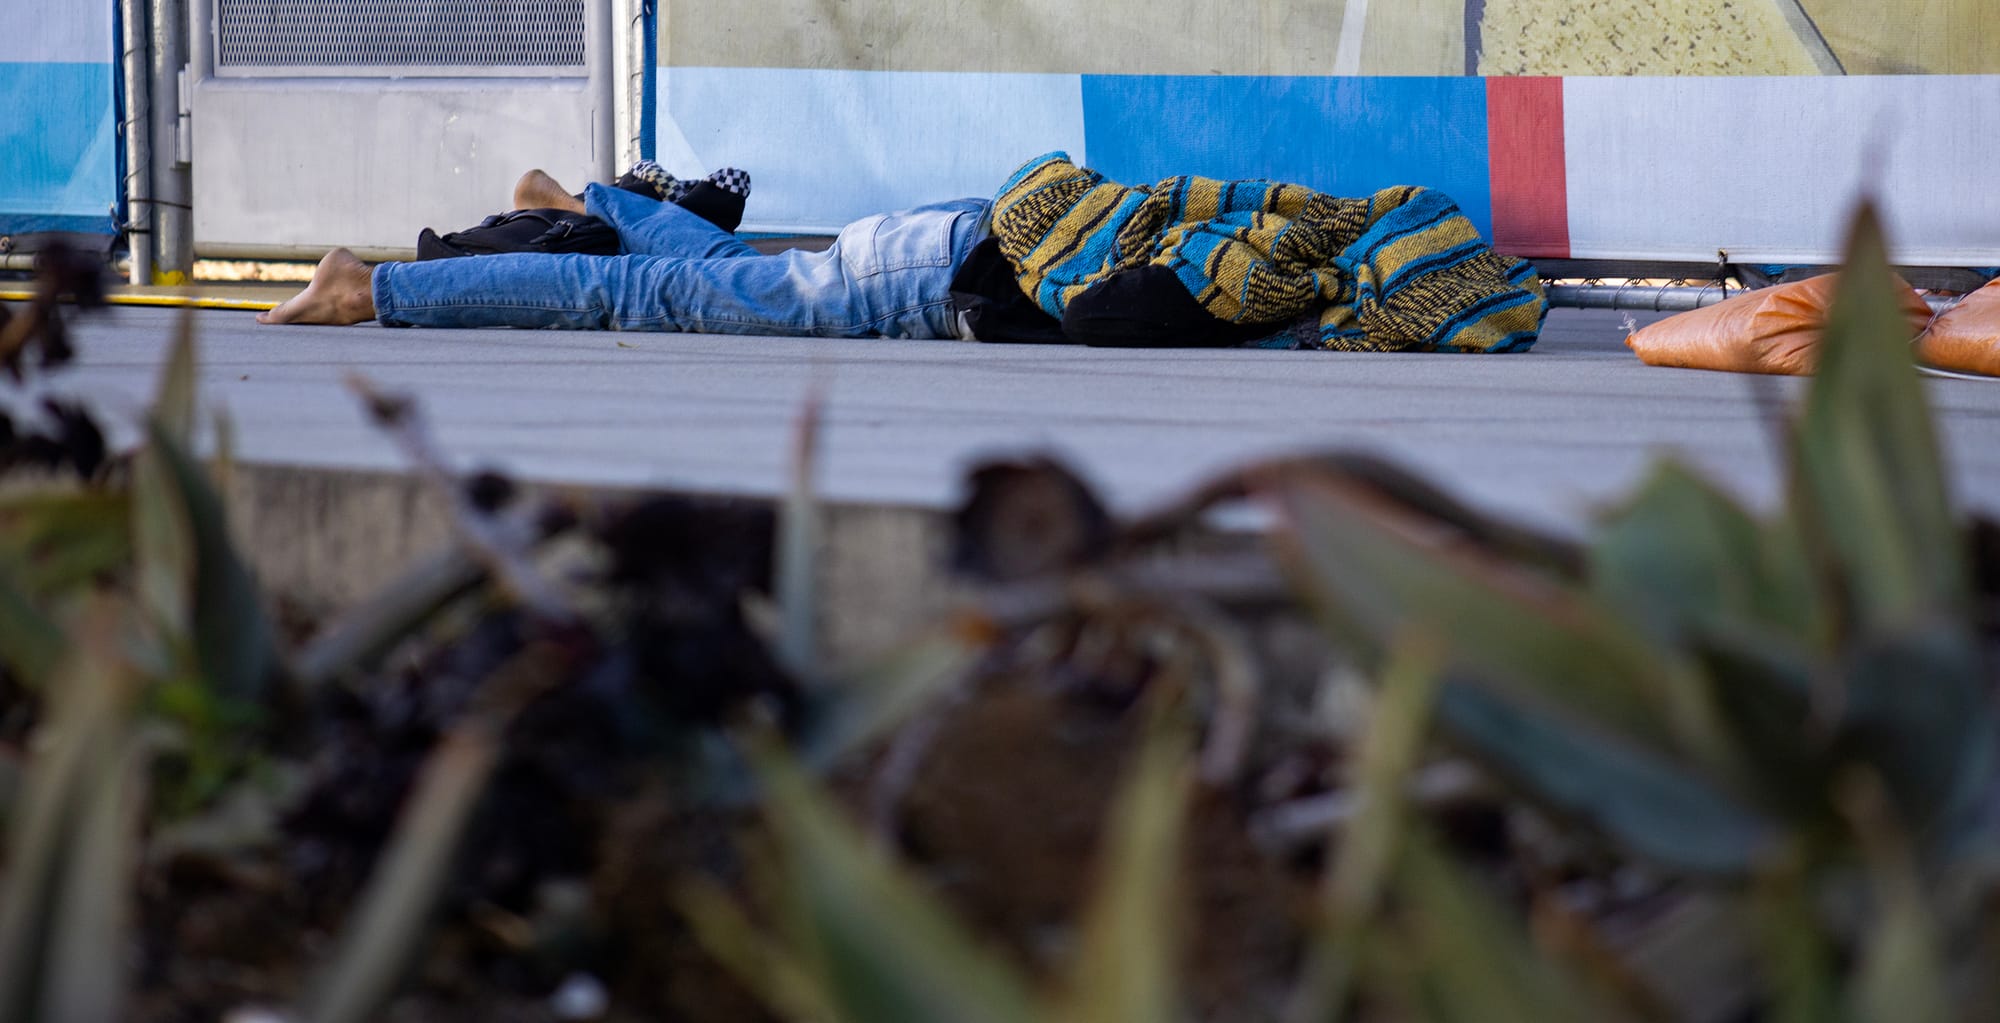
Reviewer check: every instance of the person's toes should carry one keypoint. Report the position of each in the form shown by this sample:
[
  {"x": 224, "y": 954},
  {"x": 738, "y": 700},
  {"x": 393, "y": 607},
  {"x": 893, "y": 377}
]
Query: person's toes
[
  {"x": 339, "y": 293},
  {"x": 290, "y": 310}
]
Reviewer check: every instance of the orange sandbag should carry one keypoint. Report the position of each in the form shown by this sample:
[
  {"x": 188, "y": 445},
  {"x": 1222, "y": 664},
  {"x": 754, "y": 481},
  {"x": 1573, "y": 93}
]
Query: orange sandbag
[
  {"x": 1770, "y": 330},
  {"x": 1967, "y": 337}
]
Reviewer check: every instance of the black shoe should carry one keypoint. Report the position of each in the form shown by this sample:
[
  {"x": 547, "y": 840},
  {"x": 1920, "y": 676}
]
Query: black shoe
[{"x": 713, "y": 203}]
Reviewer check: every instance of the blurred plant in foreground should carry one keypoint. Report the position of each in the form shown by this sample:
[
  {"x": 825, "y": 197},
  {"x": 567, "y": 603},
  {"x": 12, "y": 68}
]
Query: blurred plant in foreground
[
  {"x": 1793, "y": 716},
  {"x": 1705, "y": 765},
  {"x": 159, "y": 736},
  {"x": 1783, "y": 728}
]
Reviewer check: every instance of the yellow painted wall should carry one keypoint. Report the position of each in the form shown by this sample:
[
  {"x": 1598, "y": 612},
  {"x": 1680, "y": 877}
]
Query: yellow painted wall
[
  {"x": 1641, "y": 37},
  {"x": 1055, "y": 36},
  {"x": 1960, "y": 37},
  {"x": 1305, "y": 37}
]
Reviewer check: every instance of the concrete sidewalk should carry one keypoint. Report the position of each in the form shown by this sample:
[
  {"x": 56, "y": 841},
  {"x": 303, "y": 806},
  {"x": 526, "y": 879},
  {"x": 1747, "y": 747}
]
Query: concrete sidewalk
[{"x": 1549, "y": 435}]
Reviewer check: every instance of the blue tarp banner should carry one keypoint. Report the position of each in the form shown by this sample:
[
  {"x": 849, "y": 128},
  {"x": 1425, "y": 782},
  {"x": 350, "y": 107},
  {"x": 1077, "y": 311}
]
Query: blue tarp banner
[{"x": 58, "y": 118}]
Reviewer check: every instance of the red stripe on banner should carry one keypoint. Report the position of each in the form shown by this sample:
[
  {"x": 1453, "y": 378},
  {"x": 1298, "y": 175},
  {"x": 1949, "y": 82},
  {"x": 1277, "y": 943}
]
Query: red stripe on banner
[{"x": 1524, "y": 135}]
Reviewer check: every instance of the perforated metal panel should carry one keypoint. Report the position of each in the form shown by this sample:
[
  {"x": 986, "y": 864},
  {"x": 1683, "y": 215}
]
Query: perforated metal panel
[{"x": 360, "y": 37}]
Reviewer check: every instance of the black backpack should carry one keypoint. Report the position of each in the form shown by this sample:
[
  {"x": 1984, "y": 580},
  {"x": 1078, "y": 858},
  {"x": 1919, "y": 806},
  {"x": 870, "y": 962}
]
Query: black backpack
[{"x": 523, "y": 231}]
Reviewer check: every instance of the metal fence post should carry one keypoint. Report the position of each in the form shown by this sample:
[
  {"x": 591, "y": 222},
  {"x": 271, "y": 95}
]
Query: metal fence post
[
  {"x": 173, "y": 235},
  {"x": 137, "y": 128},
  {"x": 628, "y": 73},
  {"x": 600, "y": 56}
]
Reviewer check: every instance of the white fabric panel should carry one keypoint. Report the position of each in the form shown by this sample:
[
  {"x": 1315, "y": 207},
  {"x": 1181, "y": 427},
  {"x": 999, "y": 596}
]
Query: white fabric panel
[
  {"x": 57, "y": 32},
  {"x": 826, "y": 147},
  {"x": 1768, "y": 169}
]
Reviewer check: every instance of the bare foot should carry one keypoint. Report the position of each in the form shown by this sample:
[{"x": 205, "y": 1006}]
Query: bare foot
[
  {"x": 537, "y": 191},
  {"x": 342, "y": 292}
]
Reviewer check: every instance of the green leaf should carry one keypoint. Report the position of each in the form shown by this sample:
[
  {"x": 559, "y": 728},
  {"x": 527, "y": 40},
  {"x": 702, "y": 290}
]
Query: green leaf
[
  {"x": 757, "y": 962},
  {"x": 1516, "y": 630},
  {"x": 1771, "y": 697},
  {"x": 1685, "y": 559},
  {"x": 800, "y": 532},
  {"x": 1130, "y": 952},
  {"x": 1368, "y": 845},
  {"x": 1920, "y": 713},
  {"x": 174, "y": 402},
  {"x": 382, "y": 936},
  {"x": 1470, "y": 961},
  {"x": 162, "y": 546},
  {"x": 1662, "y": 810},
  {"x": 861, "y": 704},
  {"x": 232, "y": 634},
  {"x": 222, "y": 466},
  {"x": 88, "y": 972},
  {"x": 85, "y": 735},
  {"x": 60, "y": 540},
  {"x": 1870, "y": 479},
  {"x": 1681, "y": 557},
  {"x": 1799, "y": 960},
  {"x": 1691, "y": 958},
  {"x": 54, "y": 545},
  {"x": 31, "y": 643},
  {"x": 366, "y": 631},
  {"x": 1870, "y": 488},
  {"x": 213, "y": 743},
  {"x": 1902, "y": 973},
  {"x": 1547, "y": 687},
  {"x": 376, "y": 946},
  {"x": 190, "y": 576},
  {"x": 882, "y": 948}
]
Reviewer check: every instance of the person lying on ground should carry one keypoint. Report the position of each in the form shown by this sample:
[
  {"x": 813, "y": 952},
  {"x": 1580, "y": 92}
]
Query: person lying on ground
[
  {"x": 889, "y": 275},
  {"x": 1060, "y": 254}
]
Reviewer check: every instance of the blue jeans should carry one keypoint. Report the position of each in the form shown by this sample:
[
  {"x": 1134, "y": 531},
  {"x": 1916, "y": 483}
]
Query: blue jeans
[{"x": 887, "y": 275}]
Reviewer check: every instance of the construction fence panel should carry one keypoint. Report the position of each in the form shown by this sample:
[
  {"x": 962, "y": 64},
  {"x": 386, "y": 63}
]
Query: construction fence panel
[
  {"x": 1589, "y": 129},
  {"x": 58, "y": 117}
]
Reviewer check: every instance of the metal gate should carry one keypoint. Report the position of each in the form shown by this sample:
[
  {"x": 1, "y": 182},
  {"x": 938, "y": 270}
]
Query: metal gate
[{"x": 317, "y": 123}]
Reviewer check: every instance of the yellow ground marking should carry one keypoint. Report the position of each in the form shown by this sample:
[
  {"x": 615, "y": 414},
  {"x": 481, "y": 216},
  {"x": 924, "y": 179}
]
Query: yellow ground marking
[{"x": 164, "y": 301}]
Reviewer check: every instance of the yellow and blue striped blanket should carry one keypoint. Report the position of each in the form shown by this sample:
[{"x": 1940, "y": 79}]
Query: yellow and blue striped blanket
[{"x": 1402, "y": 270}]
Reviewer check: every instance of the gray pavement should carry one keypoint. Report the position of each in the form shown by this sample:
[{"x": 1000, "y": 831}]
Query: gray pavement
[{"x": 1550, "y": 435}]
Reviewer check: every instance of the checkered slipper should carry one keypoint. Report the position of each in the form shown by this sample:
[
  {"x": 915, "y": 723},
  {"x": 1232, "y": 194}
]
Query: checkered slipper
[
  {"x": 733, "y": 180},
  {"x": 652, "y": 181}
]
